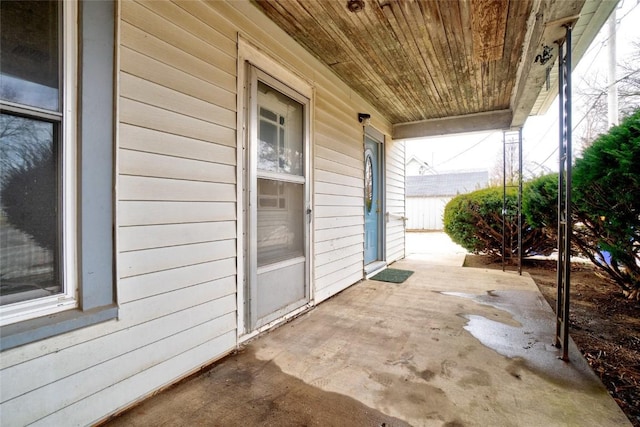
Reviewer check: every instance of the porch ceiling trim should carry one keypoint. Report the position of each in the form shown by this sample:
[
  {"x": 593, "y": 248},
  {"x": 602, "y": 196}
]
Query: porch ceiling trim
[{"x": 491, "y": 120}]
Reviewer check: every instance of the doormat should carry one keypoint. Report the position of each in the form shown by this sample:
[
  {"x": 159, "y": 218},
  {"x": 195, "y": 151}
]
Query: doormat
[{"x": 392, "y": 275}]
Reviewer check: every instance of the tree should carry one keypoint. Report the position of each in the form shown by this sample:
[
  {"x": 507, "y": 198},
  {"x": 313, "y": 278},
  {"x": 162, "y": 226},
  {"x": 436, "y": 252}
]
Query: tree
[
  {"x": 593, "y": 90},
  {"x": 506, "y": 166},
  {"x": 606, "y": 204}
]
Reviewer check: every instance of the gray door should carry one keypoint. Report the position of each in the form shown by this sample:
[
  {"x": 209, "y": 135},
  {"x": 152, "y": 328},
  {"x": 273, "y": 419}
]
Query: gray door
[{"x": 278, "y": 201}]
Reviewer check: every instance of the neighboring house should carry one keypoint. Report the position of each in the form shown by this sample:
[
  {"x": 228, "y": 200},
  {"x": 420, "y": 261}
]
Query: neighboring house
[
  {"x": 415, "y": 166},
  {"x": 180, "y": 176},
  {"x": 428, "y": 195}
]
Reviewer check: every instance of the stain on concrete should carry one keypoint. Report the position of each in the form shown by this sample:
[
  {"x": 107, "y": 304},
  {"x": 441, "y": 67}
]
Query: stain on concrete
[
  {"x": 416, "y": 400},
  {"x": 426, "y": 374},
  {"x": 475, "y": 377},
  {"x": 446, "y": 368},
  {"x": 244, "y": 391}
]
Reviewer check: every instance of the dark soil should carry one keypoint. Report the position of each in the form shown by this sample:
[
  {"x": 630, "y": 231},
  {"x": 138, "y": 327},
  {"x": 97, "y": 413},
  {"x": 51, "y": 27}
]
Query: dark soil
[{"x": 604, "y": 325}]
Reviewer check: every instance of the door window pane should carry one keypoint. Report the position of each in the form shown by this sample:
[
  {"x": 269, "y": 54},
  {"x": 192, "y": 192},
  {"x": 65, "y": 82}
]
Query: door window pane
[
  {"x": 280, "y": 233},
  {"x": 368, "y": 183},
  {"x": 280, "y": 132},
  {"x": 29, "y": 57},
  {"x": 29, "y": 209}
]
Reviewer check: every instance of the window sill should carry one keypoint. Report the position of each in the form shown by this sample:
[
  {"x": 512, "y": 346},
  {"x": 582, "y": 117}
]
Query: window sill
[{"x": 21, "y": 333}]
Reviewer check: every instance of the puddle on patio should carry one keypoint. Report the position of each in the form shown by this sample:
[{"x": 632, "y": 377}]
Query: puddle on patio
[{"x": 528, "y": 340}]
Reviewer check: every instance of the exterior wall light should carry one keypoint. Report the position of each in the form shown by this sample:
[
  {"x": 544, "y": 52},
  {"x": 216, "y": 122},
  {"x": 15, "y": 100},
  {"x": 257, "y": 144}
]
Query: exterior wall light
[{"x": 364, "y": 118}]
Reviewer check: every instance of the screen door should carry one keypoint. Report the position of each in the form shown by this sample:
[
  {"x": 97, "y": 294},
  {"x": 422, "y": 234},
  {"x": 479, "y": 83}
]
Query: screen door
[{"x": 278, "y": 199}]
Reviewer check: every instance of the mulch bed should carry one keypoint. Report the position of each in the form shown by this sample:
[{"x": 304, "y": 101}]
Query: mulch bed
[{"x": 603, "y": 324}]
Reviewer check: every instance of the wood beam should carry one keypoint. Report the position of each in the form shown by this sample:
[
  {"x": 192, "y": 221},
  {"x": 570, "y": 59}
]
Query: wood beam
[{"x": 451, "y": 125}]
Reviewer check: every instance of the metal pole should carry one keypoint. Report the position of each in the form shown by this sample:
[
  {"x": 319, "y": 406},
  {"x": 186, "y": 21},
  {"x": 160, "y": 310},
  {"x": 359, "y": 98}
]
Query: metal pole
[
  {"x": 504, "y": 198},
  {"x": 561, "y": 127},
  {"x": 520, "y": 201},
  {"x": 568, "y": 225},
  {"x": 564, "y": 198}
]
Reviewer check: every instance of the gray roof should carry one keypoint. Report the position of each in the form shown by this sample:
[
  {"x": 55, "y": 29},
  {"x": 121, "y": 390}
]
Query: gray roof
[{"x": 446, "y": 184}]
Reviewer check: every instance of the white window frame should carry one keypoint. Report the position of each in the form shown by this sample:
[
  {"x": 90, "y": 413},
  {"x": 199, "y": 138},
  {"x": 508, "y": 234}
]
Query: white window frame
[{"x": 68, "y": 298}]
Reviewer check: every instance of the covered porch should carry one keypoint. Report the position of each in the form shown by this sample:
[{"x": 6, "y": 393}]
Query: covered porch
[{"x": 450, "y": 346}]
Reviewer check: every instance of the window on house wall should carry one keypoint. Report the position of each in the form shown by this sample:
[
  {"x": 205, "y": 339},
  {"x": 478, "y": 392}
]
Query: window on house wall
[
  {"x": 34, "y": 140},
  {"x": 44, "y": 150}
]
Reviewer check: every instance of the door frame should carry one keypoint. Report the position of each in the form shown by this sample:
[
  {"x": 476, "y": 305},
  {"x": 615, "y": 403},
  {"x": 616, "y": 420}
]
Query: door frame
[
  {"x": 249, "y": 55},
  {"x": 379, "y": 138}
]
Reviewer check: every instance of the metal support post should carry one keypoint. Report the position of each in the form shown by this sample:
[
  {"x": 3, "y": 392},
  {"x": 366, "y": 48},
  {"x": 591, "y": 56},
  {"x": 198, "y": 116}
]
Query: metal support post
[
  {"x": 564, "y": 196},
  {"x": 511, "y": 141}
]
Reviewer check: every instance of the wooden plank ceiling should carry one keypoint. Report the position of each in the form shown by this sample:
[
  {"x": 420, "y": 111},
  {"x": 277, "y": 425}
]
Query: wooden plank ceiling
[{"x": 426, "y": 61}]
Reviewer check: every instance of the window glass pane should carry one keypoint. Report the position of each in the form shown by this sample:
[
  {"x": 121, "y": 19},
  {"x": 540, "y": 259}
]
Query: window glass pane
[
  {"x": 29, "y": 205},
  {"x": 280, "y": 233},
  {"x": 269, "y": 115},
  {"x": 267, "y": 147},
  {"x": 281, "y": 132},
  {"x": 29, "y": 57}
]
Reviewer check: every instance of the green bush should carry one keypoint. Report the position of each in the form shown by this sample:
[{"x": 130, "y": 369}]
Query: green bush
[
  {"x": 606, "y": 204},
  {"x": 474, "y": 221},
  {"x": 540, "y": 203}
]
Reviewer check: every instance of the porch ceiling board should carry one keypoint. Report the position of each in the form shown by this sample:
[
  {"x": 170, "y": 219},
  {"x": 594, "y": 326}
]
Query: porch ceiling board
[{"x": 426, "y": 65}]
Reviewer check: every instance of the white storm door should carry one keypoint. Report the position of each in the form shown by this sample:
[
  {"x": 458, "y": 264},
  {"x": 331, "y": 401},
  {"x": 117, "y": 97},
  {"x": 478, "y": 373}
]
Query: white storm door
[{"x": 278, "y": 200}]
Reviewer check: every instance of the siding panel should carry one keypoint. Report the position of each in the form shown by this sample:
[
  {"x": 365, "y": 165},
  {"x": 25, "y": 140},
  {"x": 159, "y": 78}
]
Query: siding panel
[
  {"x": 139, "y": 41},
  {"x": 147, "y": 213},
  {"x": 134, "y": 388},
  {"x": 152, "y": 117},
  {"x": 160, "y": 282},
  {"x": 115, "y": 371},
  {"x": 158, "y": 236},
  {"x": 78, "y": 358},
  {"x": 147, "y": 92},
  {"x": 150, "y": 260},
  {"x": 160, "y": 189},
  {"x": 160, "y": 166},
  {"x": 153, "y": 141},
  {"x": 395, "y": 155},
  {"x": 153, "y": 70},
  {"x": 155, "y": 25}
]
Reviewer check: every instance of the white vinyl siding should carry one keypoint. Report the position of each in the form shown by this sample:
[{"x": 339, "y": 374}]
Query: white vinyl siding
[
  {"x": 395, "y": 164},
  {"x": 339, "y": 196},
  {"x": 176, "y": 212}
]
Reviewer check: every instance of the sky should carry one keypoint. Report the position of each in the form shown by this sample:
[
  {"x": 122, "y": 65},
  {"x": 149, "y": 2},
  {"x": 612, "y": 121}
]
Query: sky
[{"x": 483, "y": 150}]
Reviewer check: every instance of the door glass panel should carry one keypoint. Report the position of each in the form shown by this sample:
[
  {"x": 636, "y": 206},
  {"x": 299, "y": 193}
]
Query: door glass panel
[
  {"x": 368, "y": 184},
  {"x": 280, "y": 233},
  {"x": 29, "y": 57},
  {"x": 280, "y": 132}
]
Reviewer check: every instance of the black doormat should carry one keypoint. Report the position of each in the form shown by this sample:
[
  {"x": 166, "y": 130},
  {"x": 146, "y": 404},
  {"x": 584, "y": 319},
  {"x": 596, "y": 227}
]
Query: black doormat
[{"x": 392, "y": 275}]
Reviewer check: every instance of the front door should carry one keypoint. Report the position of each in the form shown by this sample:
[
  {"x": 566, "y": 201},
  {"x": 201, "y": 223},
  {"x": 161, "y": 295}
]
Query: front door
[
  {"x": 372, "y": 201},
  {"x": 278, "y": 273}
]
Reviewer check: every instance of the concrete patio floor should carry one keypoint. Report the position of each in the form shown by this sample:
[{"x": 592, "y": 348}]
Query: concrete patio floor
[{"x": 451, "y": 346}]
